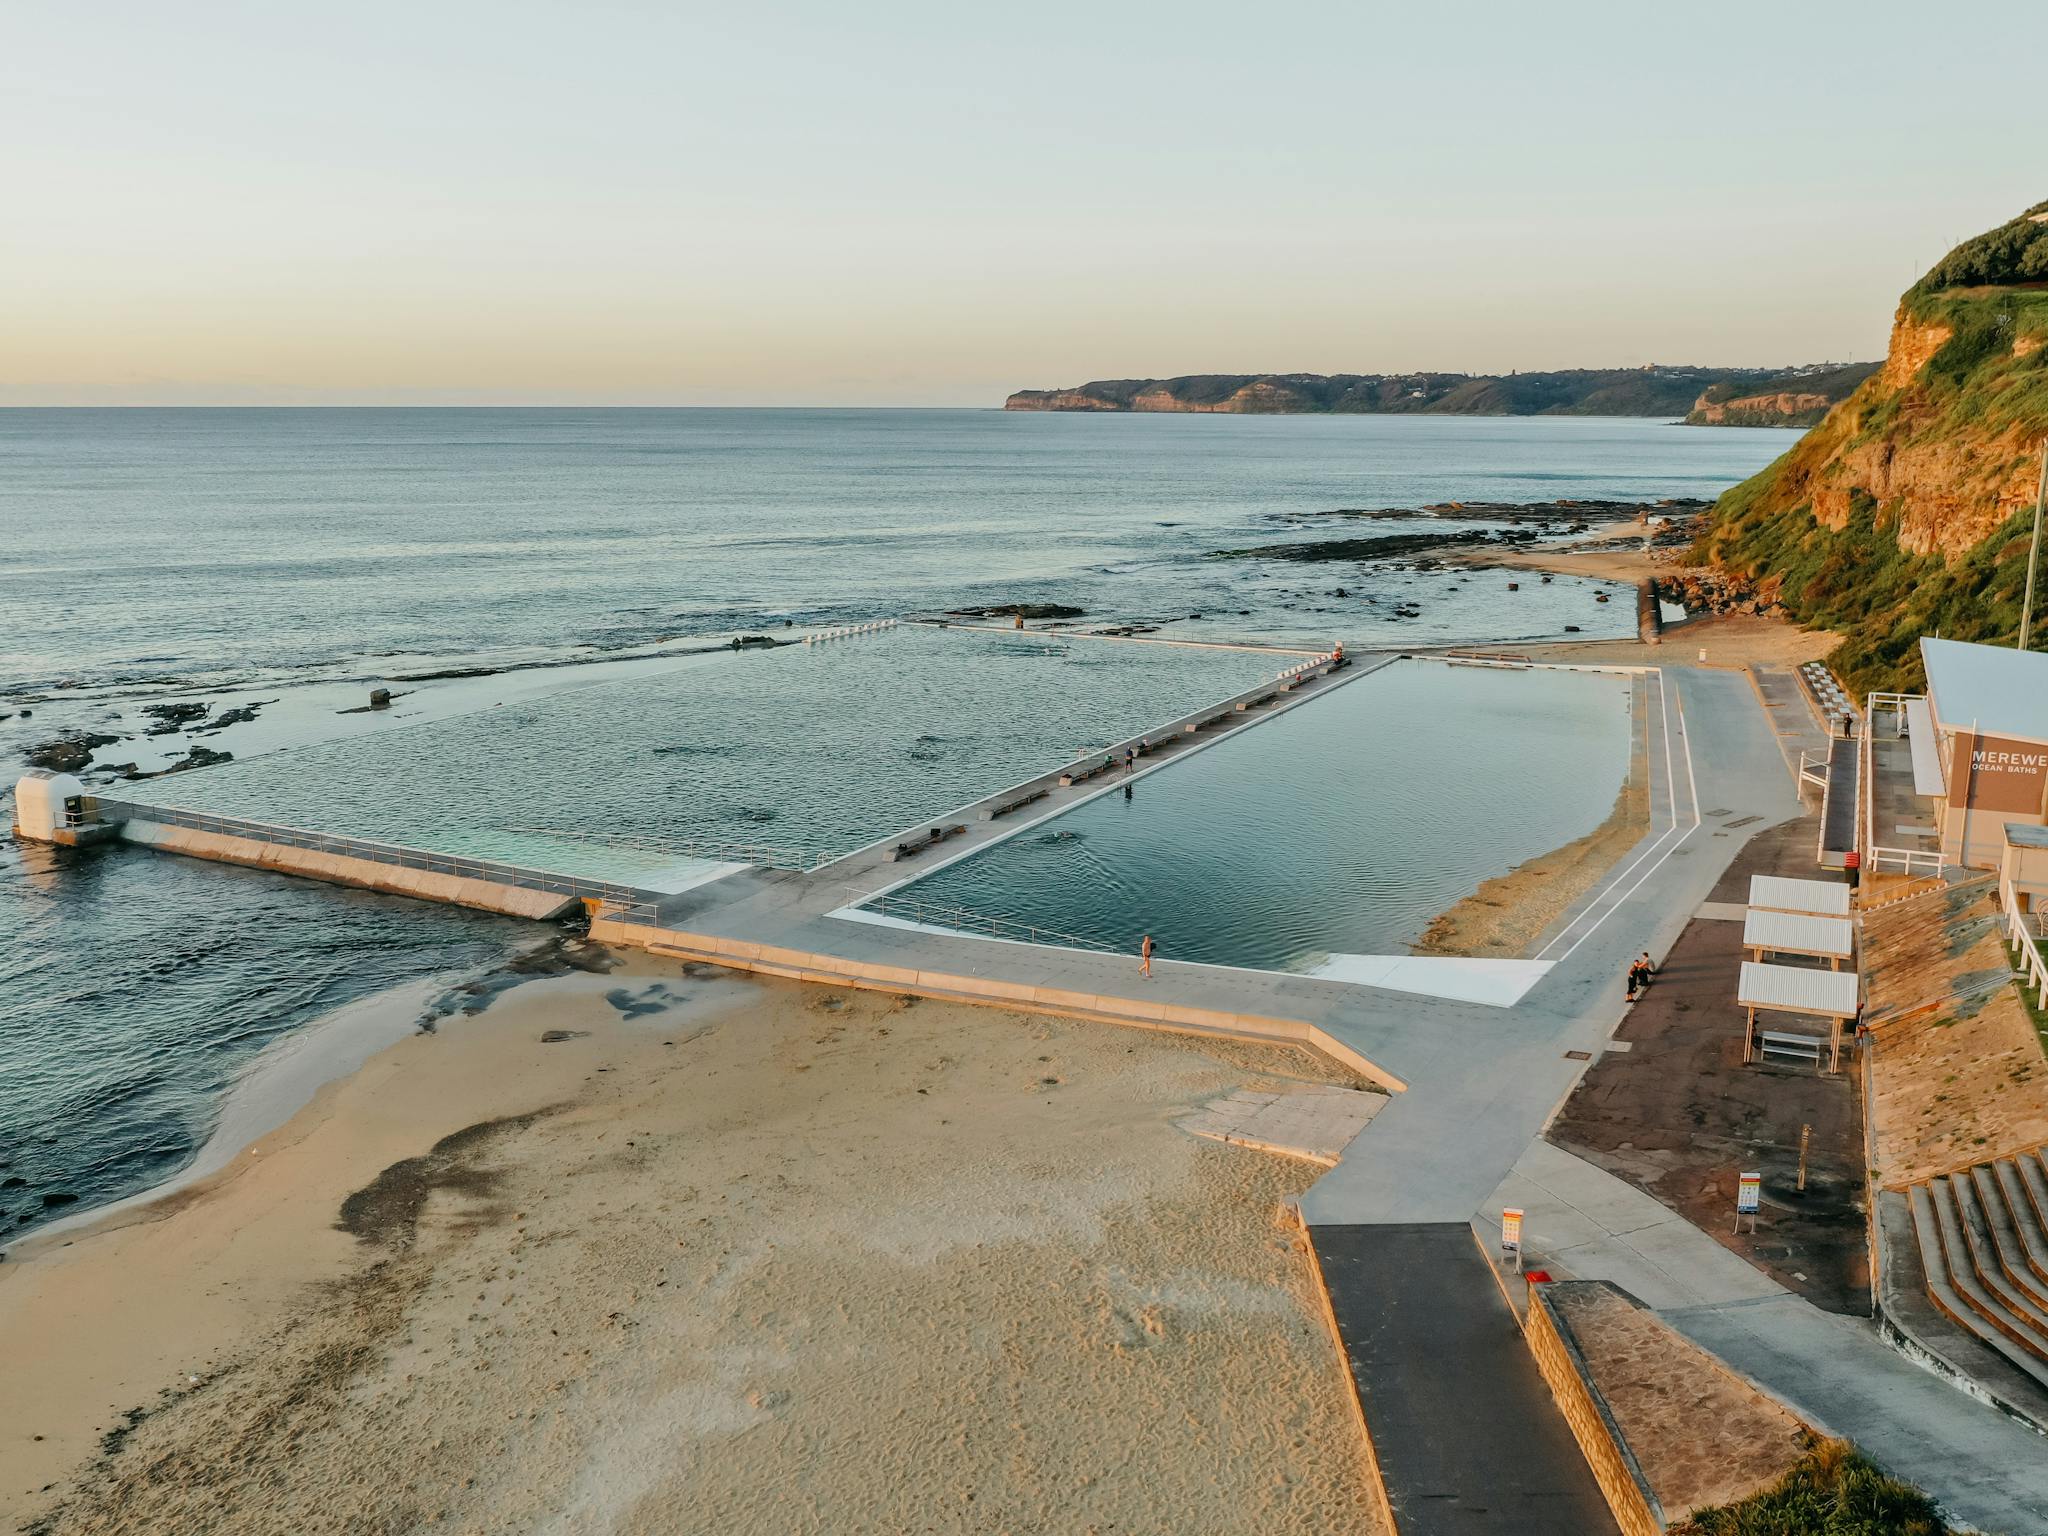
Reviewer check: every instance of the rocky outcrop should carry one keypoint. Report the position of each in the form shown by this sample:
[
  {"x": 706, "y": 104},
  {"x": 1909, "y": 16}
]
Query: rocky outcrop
[{"x": 70, "y": 753}]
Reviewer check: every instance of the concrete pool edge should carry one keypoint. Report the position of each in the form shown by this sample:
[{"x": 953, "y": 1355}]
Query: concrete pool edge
[
  {"x": 959, "y": 986},
  {"x": 1491, "y": 981}
]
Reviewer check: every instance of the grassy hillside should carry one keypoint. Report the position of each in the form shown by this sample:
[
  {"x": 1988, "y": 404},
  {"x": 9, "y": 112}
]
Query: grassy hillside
[{"x": 1907, "y": 510}]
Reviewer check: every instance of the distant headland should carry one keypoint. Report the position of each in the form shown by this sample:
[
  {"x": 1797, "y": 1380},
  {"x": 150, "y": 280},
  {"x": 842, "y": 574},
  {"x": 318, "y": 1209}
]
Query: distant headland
[{"x": 1711, "y": 397}]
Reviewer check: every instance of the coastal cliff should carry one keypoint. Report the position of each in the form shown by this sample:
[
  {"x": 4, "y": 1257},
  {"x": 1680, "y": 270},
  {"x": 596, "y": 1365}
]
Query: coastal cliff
[
  {"x": 1702, "y": 396},
  {"x": 1909, "y": 506},
  {"x": 1907, "y": 510},
  {"x": 1799, "y": 399}
]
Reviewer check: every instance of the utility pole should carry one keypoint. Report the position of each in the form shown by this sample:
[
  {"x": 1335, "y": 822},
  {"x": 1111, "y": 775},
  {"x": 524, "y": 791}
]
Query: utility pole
[{"x": 2034, "y": 553}]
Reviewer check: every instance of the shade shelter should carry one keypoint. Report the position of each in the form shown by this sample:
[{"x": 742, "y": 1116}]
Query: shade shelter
[
  {"x": 1797, "y": 933},
  {"x": 1814, "y": 994},
  {"x": 1817, "y": 898}
]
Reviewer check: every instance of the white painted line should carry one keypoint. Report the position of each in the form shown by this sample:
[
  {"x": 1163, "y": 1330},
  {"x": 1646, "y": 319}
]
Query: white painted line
[
  {"x": 1663, "y": 859},
  {"x": 1671, "y": 810},
  {"x": 1614, "y": 894}
]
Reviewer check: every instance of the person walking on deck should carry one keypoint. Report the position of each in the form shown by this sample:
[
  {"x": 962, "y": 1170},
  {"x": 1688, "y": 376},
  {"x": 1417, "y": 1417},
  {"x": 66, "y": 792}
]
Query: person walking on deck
[{"x": 1145, "y": 957}]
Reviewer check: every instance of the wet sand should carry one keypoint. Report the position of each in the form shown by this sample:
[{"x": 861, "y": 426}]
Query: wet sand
[
  {"x": 669, "y": 1251},
  {"x": 1508, "y": 913}
]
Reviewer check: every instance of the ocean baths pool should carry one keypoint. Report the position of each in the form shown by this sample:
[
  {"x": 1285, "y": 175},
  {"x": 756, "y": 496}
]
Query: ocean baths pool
[
  {"x": 1332, "y": 832},
  {"x": 804, "y": 750}
]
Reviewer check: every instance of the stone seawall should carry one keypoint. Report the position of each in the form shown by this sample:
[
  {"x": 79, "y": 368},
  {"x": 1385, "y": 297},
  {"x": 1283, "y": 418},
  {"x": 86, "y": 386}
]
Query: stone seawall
[
  {"x": 1614, "y": 1467},
  {"x": 339, "y": 869}
]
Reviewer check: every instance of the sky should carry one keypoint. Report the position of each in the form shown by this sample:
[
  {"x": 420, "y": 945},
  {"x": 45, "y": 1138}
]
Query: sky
[{"x": 934, "y": 204}]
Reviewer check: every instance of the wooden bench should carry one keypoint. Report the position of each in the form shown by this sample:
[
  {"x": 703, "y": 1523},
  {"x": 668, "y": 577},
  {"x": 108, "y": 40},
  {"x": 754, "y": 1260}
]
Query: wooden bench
[
  {"x": 1014, "y": 803},
  {"x": 1075, "y": 776},
  {"x": 1772, "y": 1042},
  {"x": 931, "y": 839}
]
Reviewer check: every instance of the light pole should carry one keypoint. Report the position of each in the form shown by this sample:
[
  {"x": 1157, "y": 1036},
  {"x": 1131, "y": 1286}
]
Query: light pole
[{"x": 2034, "y": 552}]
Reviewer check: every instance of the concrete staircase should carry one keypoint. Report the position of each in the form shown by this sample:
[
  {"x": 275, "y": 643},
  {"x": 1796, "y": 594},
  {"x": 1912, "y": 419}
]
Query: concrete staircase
[{"x": 1983, "y": 1235}]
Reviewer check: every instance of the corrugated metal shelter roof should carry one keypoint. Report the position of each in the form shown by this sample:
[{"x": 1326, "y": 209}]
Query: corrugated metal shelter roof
[
  {"x": 1822, "y": 898},
  {"x": 2024, "y": 836},
  {"x": 2002, "y": 692},
  {"x": 1796, "y": 933},
  {"x": 1795, "y": 989}
]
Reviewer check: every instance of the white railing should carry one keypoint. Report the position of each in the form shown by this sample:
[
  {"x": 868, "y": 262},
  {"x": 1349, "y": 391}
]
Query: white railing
[
  {"x": 1877, "y": 858},
  {"x": 2023, "y": 934},
  {"x": 960, "y": 920},
  {"x": 848, "y": 631}
]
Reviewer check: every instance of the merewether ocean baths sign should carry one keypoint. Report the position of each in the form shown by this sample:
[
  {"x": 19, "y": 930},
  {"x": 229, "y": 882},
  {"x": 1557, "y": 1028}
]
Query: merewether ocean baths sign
[{"x": 1993, "y": 773}]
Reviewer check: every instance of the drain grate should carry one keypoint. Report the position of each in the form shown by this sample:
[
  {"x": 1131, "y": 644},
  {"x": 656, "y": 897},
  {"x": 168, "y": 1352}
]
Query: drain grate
[
  {"x": 1578, "y": 1055},
  {"x": 1743, "y": 821},
  {"x": 1720, "y": 810}
]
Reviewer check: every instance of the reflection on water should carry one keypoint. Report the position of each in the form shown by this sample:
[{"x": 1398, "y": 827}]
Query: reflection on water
[{"x": 1341, "y": 827}]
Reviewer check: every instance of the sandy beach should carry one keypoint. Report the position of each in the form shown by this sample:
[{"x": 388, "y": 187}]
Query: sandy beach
[{"x": 677, "y": 1251}]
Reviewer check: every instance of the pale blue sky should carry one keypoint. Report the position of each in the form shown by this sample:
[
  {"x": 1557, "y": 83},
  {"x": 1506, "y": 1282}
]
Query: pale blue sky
[{"x": 934, "y": 204}]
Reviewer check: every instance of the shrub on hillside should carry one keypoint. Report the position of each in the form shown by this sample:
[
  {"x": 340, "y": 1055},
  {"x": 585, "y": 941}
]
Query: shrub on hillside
[
  {"x": 1832, "y": 1491},
  {"x": 2015, "y": 252}
]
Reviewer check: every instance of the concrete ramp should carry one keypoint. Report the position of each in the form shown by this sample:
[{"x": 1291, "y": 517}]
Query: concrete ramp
[
  {"x": 1465, "y": 1434},
  {"x": 1838, "y": 807}
]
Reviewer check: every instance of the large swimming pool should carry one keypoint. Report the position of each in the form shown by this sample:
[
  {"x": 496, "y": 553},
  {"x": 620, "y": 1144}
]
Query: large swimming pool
[
  {"x": 818, "y": 749},
  {"x": 1339, "y": 828}
]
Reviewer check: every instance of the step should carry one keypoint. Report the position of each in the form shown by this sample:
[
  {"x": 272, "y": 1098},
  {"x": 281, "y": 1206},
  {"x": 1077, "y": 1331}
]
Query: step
[
  {"x": 2017, "y": 1337},
  {"x": 1987, "y": 1258},
  {"x": 1943, "y": 1294},
  {"x": 2028, "y": 1263},
  {"x": 2034, "y": 1178}
]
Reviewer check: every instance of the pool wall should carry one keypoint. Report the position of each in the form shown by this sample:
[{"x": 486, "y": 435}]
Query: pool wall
[
  {"x": 1225, "y": 712},
  {"x": 1079, "y": 935}
]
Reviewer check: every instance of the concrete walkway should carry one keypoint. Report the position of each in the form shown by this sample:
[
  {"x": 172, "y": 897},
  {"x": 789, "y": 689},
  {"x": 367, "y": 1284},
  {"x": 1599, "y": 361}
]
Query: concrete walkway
[
  {"x": 1483, "y": 1082},
  {"x": 1985, "y": 1469},
  {"x": 1463, "y": 1429}
]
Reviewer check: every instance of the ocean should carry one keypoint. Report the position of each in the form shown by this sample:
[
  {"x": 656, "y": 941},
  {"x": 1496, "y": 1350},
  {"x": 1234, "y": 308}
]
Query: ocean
[{"x": 288, "y": 558}]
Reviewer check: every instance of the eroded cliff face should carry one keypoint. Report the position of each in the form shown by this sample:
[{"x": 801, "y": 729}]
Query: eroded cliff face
[
  {"x": 1941, "y": 486},
  {"x": 1906, "y": 510},
  {"x": 1772, "y": 410}
]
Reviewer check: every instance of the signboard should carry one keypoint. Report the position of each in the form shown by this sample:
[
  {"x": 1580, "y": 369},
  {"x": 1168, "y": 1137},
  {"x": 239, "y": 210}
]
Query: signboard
[
  {"x": 1749, "y": 1189},
  {"x": 1995, "y": 773},
  {"x": 1511, "y": 1230}
]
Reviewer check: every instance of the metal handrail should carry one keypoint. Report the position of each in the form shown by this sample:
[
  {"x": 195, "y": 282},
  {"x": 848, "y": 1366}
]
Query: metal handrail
[
  {"x": 1878, "y": 859},
  {"x": 460, "y": 866},
  {"x": 2021, "y": 937},
  {"x": 962, "y": 920}
]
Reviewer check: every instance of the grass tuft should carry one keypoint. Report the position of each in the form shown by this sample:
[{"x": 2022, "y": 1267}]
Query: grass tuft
[{"x": 1834, "y": 1490}]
